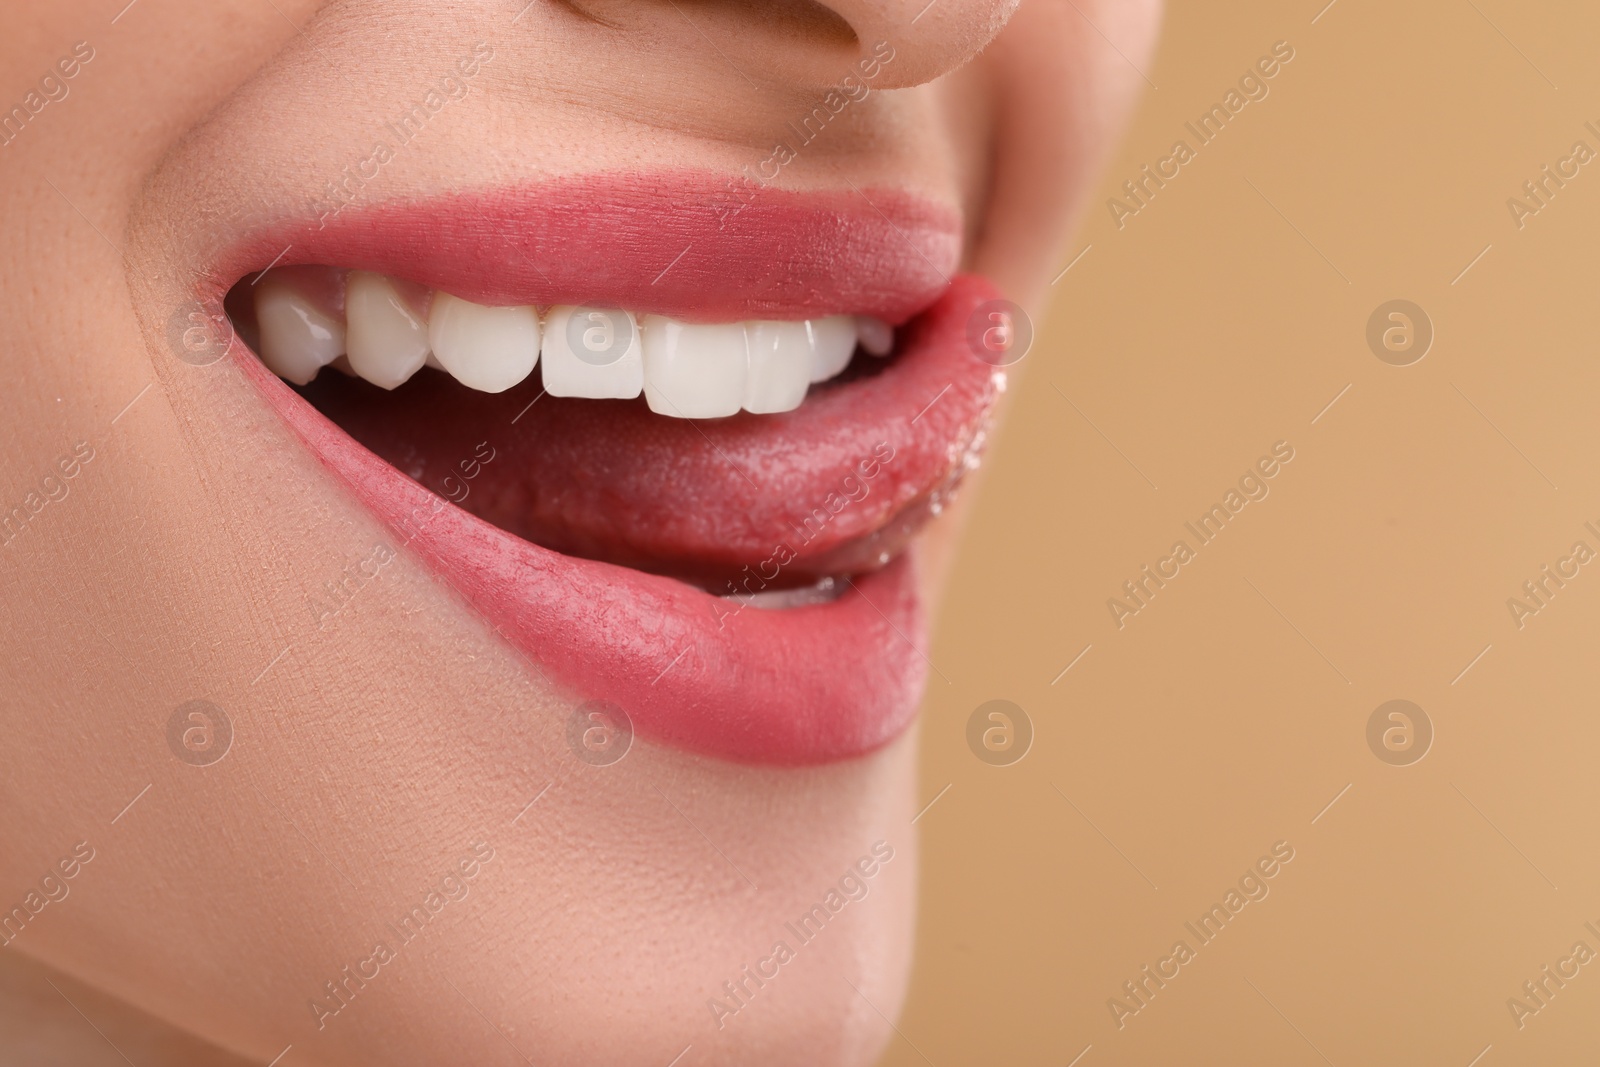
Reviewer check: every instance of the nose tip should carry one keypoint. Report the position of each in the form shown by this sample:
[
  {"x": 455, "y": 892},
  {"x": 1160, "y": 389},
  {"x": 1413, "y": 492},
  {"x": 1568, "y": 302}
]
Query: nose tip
[{"x": 929, "y": 38}]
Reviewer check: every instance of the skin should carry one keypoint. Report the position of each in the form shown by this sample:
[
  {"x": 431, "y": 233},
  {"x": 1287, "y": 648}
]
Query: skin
[{"x": 373, "y": 752}]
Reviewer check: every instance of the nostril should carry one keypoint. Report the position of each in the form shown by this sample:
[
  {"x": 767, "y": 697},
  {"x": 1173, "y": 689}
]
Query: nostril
[
  {"x": 768, "y": 42},
  {"x": 928, "y": 38},
  {"x": 797, "y": 21}
]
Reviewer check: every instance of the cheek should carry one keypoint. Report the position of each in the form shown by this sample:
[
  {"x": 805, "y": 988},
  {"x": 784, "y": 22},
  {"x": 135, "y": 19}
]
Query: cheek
[{"x": 1046, "y": 65}]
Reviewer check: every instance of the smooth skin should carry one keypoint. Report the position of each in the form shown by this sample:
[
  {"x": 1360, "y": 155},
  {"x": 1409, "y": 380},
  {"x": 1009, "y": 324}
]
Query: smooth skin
[{"x": 370, "y": 754}]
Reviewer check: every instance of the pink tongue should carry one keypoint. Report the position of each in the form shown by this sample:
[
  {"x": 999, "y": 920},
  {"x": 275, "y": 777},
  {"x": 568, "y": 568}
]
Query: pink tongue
[{"x": 836, "y": 486}]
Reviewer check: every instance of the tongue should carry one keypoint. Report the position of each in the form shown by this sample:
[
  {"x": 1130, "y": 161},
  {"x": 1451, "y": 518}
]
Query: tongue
[{"x": 740, "y": 504}]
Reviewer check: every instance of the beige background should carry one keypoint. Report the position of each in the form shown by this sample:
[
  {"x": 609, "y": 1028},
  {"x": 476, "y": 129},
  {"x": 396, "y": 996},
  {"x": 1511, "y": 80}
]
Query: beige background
[{"x": 1223, "y": 318}]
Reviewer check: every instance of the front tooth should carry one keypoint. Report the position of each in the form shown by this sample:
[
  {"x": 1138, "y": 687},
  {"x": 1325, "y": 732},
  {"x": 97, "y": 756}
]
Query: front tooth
[
  {"x": 592, "y": 352},
  {"x": 877, "y": 336},
  {"x": 780, "y": 366},
  {"x": 387, "y": 341},
  {"x": 693, "y": 371},
  {"x": 833, "y": 339},
  {"x": 489, "y": 349},
  {"x": 297, "y": 338}
]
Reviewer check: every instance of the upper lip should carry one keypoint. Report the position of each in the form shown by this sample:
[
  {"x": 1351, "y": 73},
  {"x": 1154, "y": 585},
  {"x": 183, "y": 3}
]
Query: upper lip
[
  {"x": 691, "y": 245},
  {"x": 799, "y": 686}
]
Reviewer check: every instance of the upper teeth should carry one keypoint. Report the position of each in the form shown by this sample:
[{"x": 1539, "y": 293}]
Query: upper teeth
[
  {"x": 301, "y": 338},
  {"x": 685, "y": 370},
  {"x": 387, "y": 339},
  {"x": 490, "y": 349}
]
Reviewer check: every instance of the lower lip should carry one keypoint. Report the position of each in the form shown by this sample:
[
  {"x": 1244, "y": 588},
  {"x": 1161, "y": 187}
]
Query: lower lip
[{"x": 795, "y": 686}]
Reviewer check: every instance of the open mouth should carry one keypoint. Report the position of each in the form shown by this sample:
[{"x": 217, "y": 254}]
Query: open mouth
[{"x": 688, "y": 494}]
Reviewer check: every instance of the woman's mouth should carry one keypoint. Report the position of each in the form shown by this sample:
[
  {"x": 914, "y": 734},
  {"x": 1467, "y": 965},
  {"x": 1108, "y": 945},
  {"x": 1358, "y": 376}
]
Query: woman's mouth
[{"x": 673, "y": 438}]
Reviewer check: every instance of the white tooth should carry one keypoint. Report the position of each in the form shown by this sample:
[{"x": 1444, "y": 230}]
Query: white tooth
[
  {"x": 823, "y": 591},
  {"x": 780, "y": 366},
  {"x": 877, "y": 336},
  {"x": 693, "y": 371},
  {"x": 387, "y": 341},
  {"x": 489, "y": 349},
  {"x": 833, "y": 339},
  {"x": 297, "y": 339},
  {"x": 592, "y": 352}
]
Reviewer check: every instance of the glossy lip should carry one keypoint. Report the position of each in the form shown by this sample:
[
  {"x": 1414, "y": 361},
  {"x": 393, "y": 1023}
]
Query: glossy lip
[
  {"x": 687, "y": 244},
  {"x": 799, "y": 686}
]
